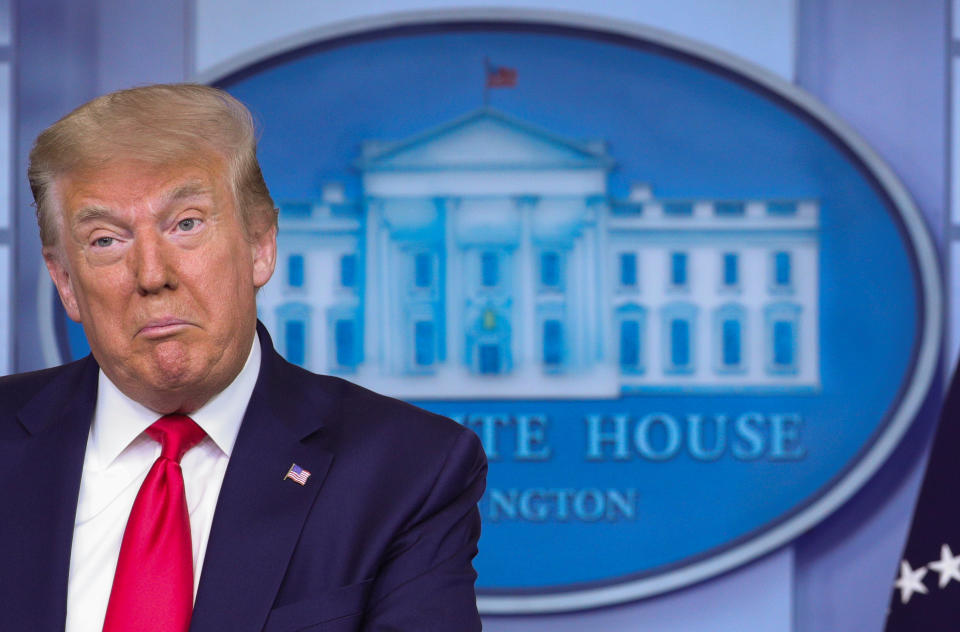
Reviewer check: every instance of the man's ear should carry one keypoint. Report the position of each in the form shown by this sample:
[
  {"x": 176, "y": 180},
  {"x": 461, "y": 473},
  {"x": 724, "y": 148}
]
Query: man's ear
[
  {"x": 61, "y": 278},
  {"x": 264, "y": 249}
]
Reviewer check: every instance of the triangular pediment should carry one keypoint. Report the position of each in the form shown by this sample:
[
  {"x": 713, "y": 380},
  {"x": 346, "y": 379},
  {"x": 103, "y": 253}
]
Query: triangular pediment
[{"x": 484, "y": 139}]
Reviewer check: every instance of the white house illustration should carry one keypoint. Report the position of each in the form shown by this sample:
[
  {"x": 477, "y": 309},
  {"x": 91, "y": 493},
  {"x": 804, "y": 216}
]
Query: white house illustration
[{"x": 486, "y": 259}]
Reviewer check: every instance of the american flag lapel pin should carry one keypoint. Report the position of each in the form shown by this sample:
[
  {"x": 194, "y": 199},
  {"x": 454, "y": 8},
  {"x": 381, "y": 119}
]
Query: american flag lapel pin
[{"x": 298, "y": 474}]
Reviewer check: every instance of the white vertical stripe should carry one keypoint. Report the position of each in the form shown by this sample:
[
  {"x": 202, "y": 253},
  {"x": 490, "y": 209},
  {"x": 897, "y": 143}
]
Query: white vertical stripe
[
  {"x": 5, "y": 23},
  {"x": 955, "y": 141},
  {"x": 956, "y": 19},
  {"x": 954, "y": 293},
  {"x": 6, "y": 306},
  {"x": 5, "y": 144}
]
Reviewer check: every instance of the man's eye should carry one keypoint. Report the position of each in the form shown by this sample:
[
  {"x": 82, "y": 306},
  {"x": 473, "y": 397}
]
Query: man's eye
[
  {"x": 188, "y": 224},
  {"x": 103, "y": 242}
]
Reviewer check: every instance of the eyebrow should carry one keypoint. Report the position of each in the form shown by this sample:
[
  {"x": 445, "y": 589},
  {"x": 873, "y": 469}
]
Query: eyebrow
[
  {"x": 182, "y": 192},
  {"x": 90, "y": 214},
  {"x": 187, "y": 190}
]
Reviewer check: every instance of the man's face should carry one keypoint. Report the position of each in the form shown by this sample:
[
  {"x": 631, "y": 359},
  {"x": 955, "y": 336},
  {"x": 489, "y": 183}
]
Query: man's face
[{"x": 154, "y": 262}]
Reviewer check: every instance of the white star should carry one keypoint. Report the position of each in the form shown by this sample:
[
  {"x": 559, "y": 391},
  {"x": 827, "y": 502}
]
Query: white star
[
  {"x": 910, "y": 581},
  {"x": 948, "y": 566}
]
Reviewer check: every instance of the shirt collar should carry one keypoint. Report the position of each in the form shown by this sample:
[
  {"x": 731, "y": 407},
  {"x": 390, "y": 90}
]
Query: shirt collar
[{"x": 119, "y": 420}]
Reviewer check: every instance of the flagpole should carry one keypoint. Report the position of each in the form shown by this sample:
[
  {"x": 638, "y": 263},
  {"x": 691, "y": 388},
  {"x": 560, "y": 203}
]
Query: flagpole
[{"x": 486, "y": 81}]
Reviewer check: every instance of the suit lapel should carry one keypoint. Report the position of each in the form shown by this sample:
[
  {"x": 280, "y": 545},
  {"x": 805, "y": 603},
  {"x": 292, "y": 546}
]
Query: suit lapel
[
  {"x": 260, "y": 515},
  {"x": 41, "y": 479}
]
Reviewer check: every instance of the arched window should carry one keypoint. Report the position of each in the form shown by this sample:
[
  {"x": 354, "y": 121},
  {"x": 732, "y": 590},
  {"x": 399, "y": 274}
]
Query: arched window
[
  {"x": 424, "y": 343},
  {"x": 294, "y": 343},
  {"x": 631, "y": 327},
  {"x": 782, "y": 336},
  {"x": 679, "y": 322},
  {"x": 488, "y": 342},
  {"x": 421, "y": 337},
  {"x": 344, "y": 339},
  {"x": 554, "y": 337},
  {"x": 729, "y": 334},
  {"x": 552, "y": 343}
]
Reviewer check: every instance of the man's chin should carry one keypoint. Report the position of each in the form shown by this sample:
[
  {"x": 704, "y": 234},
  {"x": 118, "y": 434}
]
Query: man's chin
[{"x": 172, "y": 367}]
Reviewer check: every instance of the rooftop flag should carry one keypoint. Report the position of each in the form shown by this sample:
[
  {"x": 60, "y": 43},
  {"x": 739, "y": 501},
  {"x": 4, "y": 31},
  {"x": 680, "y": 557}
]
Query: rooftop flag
[
  {"x": 501, "y": 76},
  {"x": 497, "y": 77}
]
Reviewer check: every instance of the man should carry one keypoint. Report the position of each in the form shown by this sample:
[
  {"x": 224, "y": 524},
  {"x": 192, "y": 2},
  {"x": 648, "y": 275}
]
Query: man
[{"x": 185, "y": 459}]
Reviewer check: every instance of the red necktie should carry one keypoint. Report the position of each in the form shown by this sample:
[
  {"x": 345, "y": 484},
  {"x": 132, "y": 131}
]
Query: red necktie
[{"x": 153, "y": 585}]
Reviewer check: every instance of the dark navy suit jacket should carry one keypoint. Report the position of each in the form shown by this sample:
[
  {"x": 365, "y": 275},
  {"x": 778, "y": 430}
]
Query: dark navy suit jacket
[{"x": 381, "y": 537}]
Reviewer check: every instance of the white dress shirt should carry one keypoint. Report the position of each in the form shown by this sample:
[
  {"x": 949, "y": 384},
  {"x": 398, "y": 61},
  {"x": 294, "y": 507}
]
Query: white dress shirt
[{"x": 119, "y": 454}]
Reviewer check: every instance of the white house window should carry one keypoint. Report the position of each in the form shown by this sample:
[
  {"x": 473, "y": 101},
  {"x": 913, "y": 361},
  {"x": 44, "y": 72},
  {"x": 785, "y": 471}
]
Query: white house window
[
  {"x": 488, "y": 343},
  {"x": 782, "y": 270},
  {"x": 731, "y": 270},
  {"x": 348, "y": 270},
  {"x": 679, "y": 337},
  {"x": 344, "y": 339},
  {"x": 295, "y": 210},
  {"x": 295, "y": 270},
  {"x": 424, "y": 341},
  {"x": 294, "y": 321},
  {"x": 552, "y": 343},
  {"x": 295, "y": 333},
  {"x": 628, "y": 270},
  {"x": 488, "y": 358},
  {"x": 729, "y": 209},
  {"x": 423, "y": 270},
  {"x": 550, "y": 274},
  {"x": 729, "y": 333},
  {"x": 678, "y": 209},
  {"x": 678, "y": 269},
  {"x": 489, "y": 269},
  {"x": 631, "y": 321},
  {"x": 782, "y": 337},
  {"x": 782, "y": 208}
]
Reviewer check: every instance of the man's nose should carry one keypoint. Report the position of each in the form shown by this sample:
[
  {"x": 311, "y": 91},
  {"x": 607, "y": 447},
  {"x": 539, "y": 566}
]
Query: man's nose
[{"x": 153, "y": 262}]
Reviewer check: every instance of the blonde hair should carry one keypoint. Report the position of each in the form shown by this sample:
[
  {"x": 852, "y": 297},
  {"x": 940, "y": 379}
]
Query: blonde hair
[{"x": 160, "y": 124}]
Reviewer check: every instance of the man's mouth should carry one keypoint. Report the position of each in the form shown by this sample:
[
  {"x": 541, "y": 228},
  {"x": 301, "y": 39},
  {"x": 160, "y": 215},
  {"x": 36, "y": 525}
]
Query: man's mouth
[{"x": 162, "y": 327}]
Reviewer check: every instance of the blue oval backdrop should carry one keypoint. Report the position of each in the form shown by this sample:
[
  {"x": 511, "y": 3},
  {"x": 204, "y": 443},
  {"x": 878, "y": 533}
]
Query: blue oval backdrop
[{"x": 683, "y": 313}]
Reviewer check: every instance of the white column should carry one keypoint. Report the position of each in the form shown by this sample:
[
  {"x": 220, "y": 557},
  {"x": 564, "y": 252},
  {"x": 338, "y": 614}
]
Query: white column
[
  {"x": 591, "y": 298},
  {"x": 524, "y": 336},
  {"x": 453, "y": 293},
  {"x": 372, "y": 290},
  {"x": 602, "y": 304},
  {"x": 387, "y": 315},
  {"x": 575, "y": 304}
]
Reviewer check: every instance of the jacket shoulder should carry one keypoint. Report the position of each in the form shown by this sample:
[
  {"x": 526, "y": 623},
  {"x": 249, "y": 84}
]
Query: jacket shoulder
[
  {"x": 19, "y": 388},
  {"x": 376, "y": 428},
  {"x": 366, "y": 412}
]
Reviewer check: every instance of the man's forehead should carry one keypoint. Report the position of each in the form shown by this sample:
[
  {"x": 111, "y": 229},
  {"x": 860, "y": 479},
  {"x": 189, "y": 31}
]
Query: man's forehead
[{"x": 131, "y": 181}]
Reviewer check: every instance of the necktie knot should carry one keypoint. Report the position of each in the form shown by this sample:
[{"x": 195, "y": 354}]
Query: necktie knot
[{"x": 176, "y": 434}]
